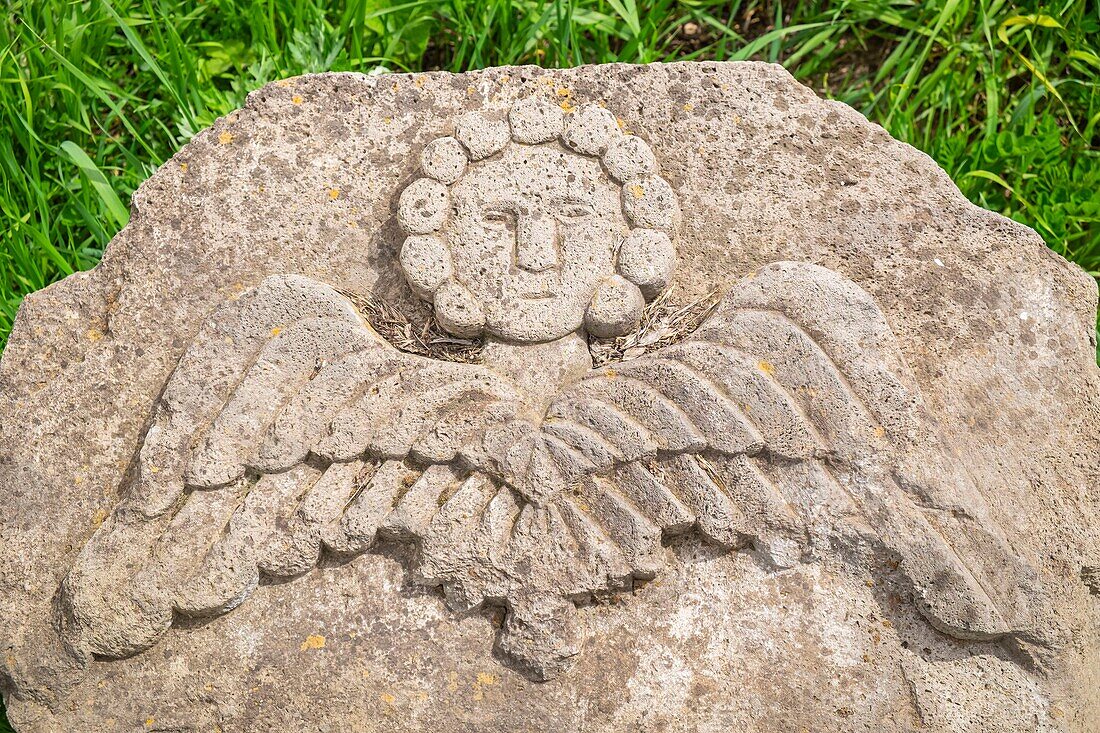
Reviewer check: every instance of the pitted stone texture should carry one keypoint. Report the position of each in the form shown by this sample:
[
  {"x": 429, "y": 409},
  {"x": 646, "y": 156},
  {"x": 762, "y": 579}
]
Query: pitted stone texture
[
  {"x": 975, "y": 314},
  {"x": 649, "y": 202},
  {"x": 423, "y": 206},
  {"x": 630, "y": 158},
  {"x": 481, "y": 136},
  {"x": 616, "y": 308},
  {"x": 592, "y": 130},
  {"x": 458, "y": 311},
  {"x": 427, "y": 264},
  {"x": 536, "y": 120},
  {"x": 444, "y": 160},
  {"x": 647, "y": 259}
]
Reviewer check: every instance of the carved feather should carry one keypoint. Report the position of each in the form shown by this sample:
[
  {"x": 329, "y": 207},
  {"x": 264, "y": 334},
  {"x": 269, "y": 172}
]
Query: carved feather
[
  {"x": 225, "y": 490},
  {"x": 289, "y": 427},
  {"x": 789, "y": 407}
]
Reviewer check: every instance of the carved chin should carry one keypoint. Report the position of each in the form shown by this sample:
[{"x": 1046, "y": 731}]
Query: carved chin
[{"x": 535, "y": 321}]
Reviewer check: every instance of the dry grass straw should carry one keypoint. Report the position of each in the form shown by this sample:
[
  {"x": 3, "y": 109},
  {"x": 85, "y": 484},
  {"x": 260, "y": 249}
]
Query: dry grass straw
[
  {"x": 662, "y": 324},
  {"x": 415, "y": 332}
]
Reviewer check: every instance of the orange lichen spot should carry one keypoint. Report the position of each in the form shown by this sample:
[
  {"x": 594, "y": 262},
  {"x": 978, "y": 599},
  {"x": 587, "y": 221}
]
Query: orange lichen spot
[
  {"x": 419, "y": 81},
  {"x": 99, "y": 518},
  {"x": 880, "y": 431},
  {"x": 228, "y": 340},
  {"x": 154, "y": 469},
  {"x": 887, "y": 623},
  {"x": 610, "y": 372},
  {"x": 313, "y": 641},
  {"x": 183, "y": 167},
  {"x": 296, "y": 99},
  {"x": 395, "y": 86},
  {"x": 867, "y": 658},
  {"x": 334, "y": 193},
  {"x": 387, "y": 698},
  {"x": 505, "y": 79},
  {"x": 276, "y": 331},
  {"x": 869, "y": 583},
  {"x": 637, "y": 191},
  {"x": 94, "y": 334},
  {"x": 387, "y": 120},
  {"x": 452, "y": 681},
  {"x": 484, "y": 679},
  {"x": 564, "y": 92},
  {"x": 150, "y": 722},
  {"x": 471, "y": 91},
  {"x": 282, "y": 83},
  {"x": 766, "y": 367},
  {"x": 225, "y": 138},
  {"x": 566, "y": 106},
  {"x": 688, "y": 107},
  {"x": 737, "y": 119}
]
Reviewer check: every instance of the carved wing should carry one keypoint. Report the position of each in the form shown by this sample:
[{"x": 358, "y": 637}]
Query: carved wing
[
  {"x": 255, "y": 460},
  {"x": 789, "y": 418}
]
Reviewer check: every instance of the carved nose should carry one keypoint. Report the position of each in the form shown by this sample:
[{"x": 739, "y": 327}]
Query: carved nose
[{"x": 536, "y": 243}]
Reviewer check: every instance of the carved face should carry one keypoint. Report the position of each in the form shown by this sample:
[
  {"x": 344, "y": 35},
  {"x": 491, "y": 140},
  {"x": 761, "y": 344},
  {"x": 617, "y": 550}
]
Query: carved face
[
  {"x": 532, "y": 233},
  {"x": 528, "y": 228}
]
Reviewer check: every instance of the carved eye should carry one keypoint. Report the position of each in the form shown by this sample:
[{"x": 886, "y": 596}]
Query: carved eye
[
  {"x": 498, "y": 217},
  {"x": 573, "y": 210}
]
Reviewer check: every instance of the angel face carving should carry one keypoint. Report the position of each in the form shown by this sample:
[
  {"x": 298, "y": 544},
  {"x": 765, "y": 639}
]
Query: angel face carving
[
  {"x": 533, "y": 232},
  {"x": 530, "y": 229},
  {"x": 788, "y": 421}
]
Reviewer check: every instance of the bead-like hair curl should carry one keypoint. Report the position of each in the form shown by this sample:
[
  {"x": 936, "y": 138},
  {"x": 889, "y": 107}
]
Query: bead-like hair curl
[{"x": 645, "y": 259}]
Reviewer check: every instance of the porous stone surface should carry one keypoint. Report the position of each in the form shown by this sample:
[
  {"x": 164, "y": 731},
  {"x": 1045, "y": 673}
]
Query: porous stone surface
[
  {"x": 859, "y": 494},
  {"x": 629, "y": 158},
  {"x": 443, "y": 160},
  {"x": 647, "y": 259}
]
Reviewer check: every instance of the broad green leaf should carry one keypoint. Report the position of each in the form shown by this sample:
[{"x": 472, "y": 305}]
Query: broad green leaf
[{"x": 99, "y": 182}]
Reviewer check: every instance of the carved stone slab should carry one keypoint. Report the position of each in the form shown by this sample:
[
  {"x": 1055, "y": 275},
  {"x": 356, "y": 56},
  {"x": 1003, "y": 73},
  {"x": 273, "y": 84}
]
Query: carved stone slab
[{"x": 386, "y": 412}]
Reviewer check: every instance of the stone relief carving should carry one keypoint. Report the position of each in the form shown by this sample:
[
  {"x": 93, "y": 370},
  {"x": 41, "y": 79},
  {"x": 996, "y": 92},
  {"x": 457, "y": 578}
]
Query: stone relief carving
[{"x": 786, "y": 424}]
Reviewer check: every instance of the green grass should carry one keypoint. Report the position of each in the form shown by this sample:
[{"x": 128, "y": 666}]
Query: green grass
[{"x": 95, "y": 95}]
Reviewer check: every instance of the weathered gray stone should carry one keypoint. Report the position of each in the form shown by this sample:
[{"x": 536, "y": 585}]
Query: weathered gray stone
[
  {"x": 444, "y": 160},
  {"x": 647, "y": 259},
  {"x": 858, "y": 494}
]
